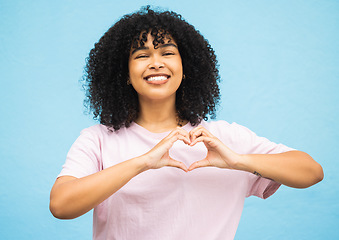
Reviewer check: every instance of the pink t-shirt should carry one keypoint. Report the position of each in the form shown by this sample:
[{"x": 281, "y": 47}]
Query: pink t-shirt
[{"x": 168, "y": 203}]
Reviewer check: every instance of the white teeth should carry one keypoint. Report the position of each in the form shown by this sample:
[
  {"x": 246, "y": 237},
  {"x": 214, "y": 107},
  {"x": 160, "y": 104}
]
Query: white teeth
[{"x": 156, "y": 78}]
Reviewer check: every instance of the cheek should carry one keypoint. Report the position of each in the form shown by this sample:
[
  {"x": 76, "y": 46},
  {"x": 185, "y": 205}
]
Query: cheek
[
  {"x": 134, "y": 70},
  {"x": 179, "y": 65}
]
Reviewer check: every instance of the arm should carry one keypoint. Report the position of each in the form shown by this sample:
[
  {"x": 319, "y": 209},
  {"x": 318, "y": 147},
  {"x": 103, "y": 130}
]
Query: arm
[
  {"x": 72, "y": 197},
  {"x": 294, "y": 168}
]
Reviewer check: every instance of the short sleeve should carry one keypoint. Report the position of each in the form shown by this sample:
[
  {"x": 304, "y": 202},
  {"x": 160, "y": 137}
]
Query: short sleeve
[
  {"x": 261, "y": 187},
  {"x": 243, "y": 141},
  {"x": 84, "y": 156},
  {"x": 250, "y": 143}
]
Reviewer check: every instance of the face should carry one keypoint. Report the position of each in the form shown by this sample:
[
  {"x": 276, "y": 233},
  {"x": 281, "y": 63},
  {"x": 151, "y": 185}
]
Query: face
[{"x": 156, "y": 74}]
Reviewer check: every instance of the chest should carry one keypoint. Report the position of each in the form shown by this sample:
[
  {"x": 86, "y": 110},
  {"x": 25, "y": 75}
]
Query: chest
[{"x": 169, "y": 182}]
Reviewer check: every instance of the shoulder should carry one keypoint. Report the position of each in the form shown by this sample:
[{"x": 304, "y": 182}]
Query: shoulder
[
  {"x": 100, "y": 131},
  {"x": 97, "y": 130}
]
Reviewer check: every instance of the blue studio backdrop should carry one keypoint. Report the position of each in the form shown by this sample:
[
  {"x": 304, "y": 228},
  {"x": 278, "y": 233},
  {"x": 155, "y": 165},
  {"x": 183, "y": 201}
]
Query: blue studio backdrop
[{"x": 280, "y": 78}]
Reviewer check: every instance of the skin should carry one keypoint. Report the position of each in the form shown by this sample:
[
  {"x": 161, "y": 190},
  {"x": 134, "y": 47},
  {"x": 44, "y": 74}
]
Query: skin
[
  {"x": 157, "y": 101},
  {"x": 295, "y": 169},
  {"x": 163, "y": 61},
  {"x": 72, "y": 197}
]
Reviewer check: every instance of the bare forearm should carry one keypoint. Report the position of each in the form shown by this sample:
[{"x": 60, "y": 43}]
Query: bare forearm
[
  {"x": 294, "y": 168},
  {"x": 73, "y": 198}
]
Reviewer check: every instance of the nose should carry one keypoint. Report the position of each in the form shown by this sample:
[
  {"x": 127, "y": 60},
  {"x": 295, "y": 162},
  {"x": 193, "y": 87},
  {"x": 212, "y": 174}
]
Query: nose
[{"x": 156, "y": 63}]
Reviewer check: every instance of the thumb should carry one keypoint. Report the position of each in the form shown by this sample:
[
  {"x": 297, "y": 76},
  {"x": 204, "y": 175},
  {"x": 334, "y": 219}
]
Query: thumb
[
  {"x": 199, "y": 164},
  {"x": 177, "y": 164}
]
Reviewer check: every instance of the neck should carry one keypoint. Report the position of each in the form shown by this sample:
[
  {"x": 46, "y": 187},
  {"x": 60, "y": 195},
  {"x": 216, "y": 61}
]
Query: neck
[{"x": 157, "y": 116}]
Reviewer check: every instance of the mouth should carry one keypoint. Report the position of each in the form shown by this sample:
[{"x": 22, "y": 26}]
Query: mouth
[{"x": 157, "y": 79}]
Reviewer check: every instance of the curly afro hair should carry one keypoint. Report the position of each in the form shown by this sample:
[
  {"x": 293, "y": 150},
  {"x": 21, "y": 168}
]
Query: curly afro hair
[{"x": 115, "y": 104}]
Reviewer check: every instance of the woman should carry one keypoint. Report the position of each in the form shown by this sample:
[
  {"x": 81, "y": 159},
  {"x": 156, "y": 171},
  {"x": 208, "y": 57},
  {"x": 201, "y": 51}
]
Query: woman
[{"x": 151, "y": 81}]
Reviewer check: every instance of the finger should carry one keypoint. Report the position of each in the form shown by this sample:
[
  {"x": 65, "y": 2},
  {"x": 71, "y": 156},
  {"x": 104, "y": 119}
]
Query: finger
[
  {"x": 179, "y": 134},
  {"x": 199, "y": 164},
  {"x": 185, "y": 134},
  {"x": 206, "y": 140},
  {"x": 194, "y": 133},
  {"x": 199, "y": 131},
  {"x": 165, "y": 145},
  {"x": 177, "y": 164},
  {"x": 199, "y": 139},
  {"x": 177, "y": 137},
  {"x": 182, "y": 138},
  {"x": 178, "y": 129}
]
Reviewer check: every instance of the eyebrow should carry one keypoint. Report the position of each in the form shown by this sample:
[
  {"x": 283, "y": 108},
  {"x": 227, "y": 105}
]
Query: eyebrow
[{"x": 161, "y": 46}]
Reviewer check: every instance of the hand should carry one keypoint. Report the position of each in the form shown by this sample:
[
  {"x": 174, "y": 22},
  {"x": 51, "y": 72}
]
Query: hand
[
  {"x": 159, "y": 156},
  {"x": 218, "y": 154}
]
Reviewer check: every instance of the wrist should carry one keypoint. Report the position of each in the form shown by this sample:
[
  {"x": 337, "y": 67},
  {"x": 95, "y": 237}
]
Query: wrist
[
  {"x": 141, "y": 163},
  {"x": 247, "y": 164},
  {"x": 243, "y": 163}
]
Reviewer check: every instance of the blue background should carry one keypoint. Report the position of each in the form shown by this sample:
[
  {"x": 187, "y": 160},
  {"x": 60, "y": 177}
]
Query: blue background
[{"x": 280, "y": 78}]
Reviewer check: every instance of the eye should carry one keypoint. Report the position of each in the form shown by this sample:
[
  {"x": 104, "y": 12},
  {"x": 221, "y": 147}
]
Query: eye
[
  {"x": 167, "y": 53},
  {"x": 141, "y": 56}
]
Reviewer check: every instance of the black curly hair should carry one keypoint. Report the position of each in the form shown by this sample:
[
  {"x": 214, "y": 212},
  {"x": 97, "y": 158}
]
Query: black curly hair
[{"x": 115, "y": 104}]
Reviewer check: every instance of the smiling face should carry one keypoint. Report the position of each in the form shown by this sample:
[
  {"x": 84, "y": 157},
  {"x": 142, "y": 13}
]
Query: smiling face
[{"x": 156, "y": 73}]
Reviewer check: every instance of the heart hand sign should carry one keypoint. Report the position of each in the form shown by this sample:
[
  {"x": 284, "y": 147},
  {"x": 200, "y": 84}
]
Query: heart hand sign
[{"x": 218, "y": 154}]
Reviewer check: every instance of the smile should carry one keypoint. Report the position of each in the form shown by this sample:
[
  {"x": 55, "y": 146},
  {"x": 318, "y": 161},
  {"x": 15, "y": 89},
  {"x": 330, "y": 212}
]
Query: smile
[{"x": 158, "y": 79}]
